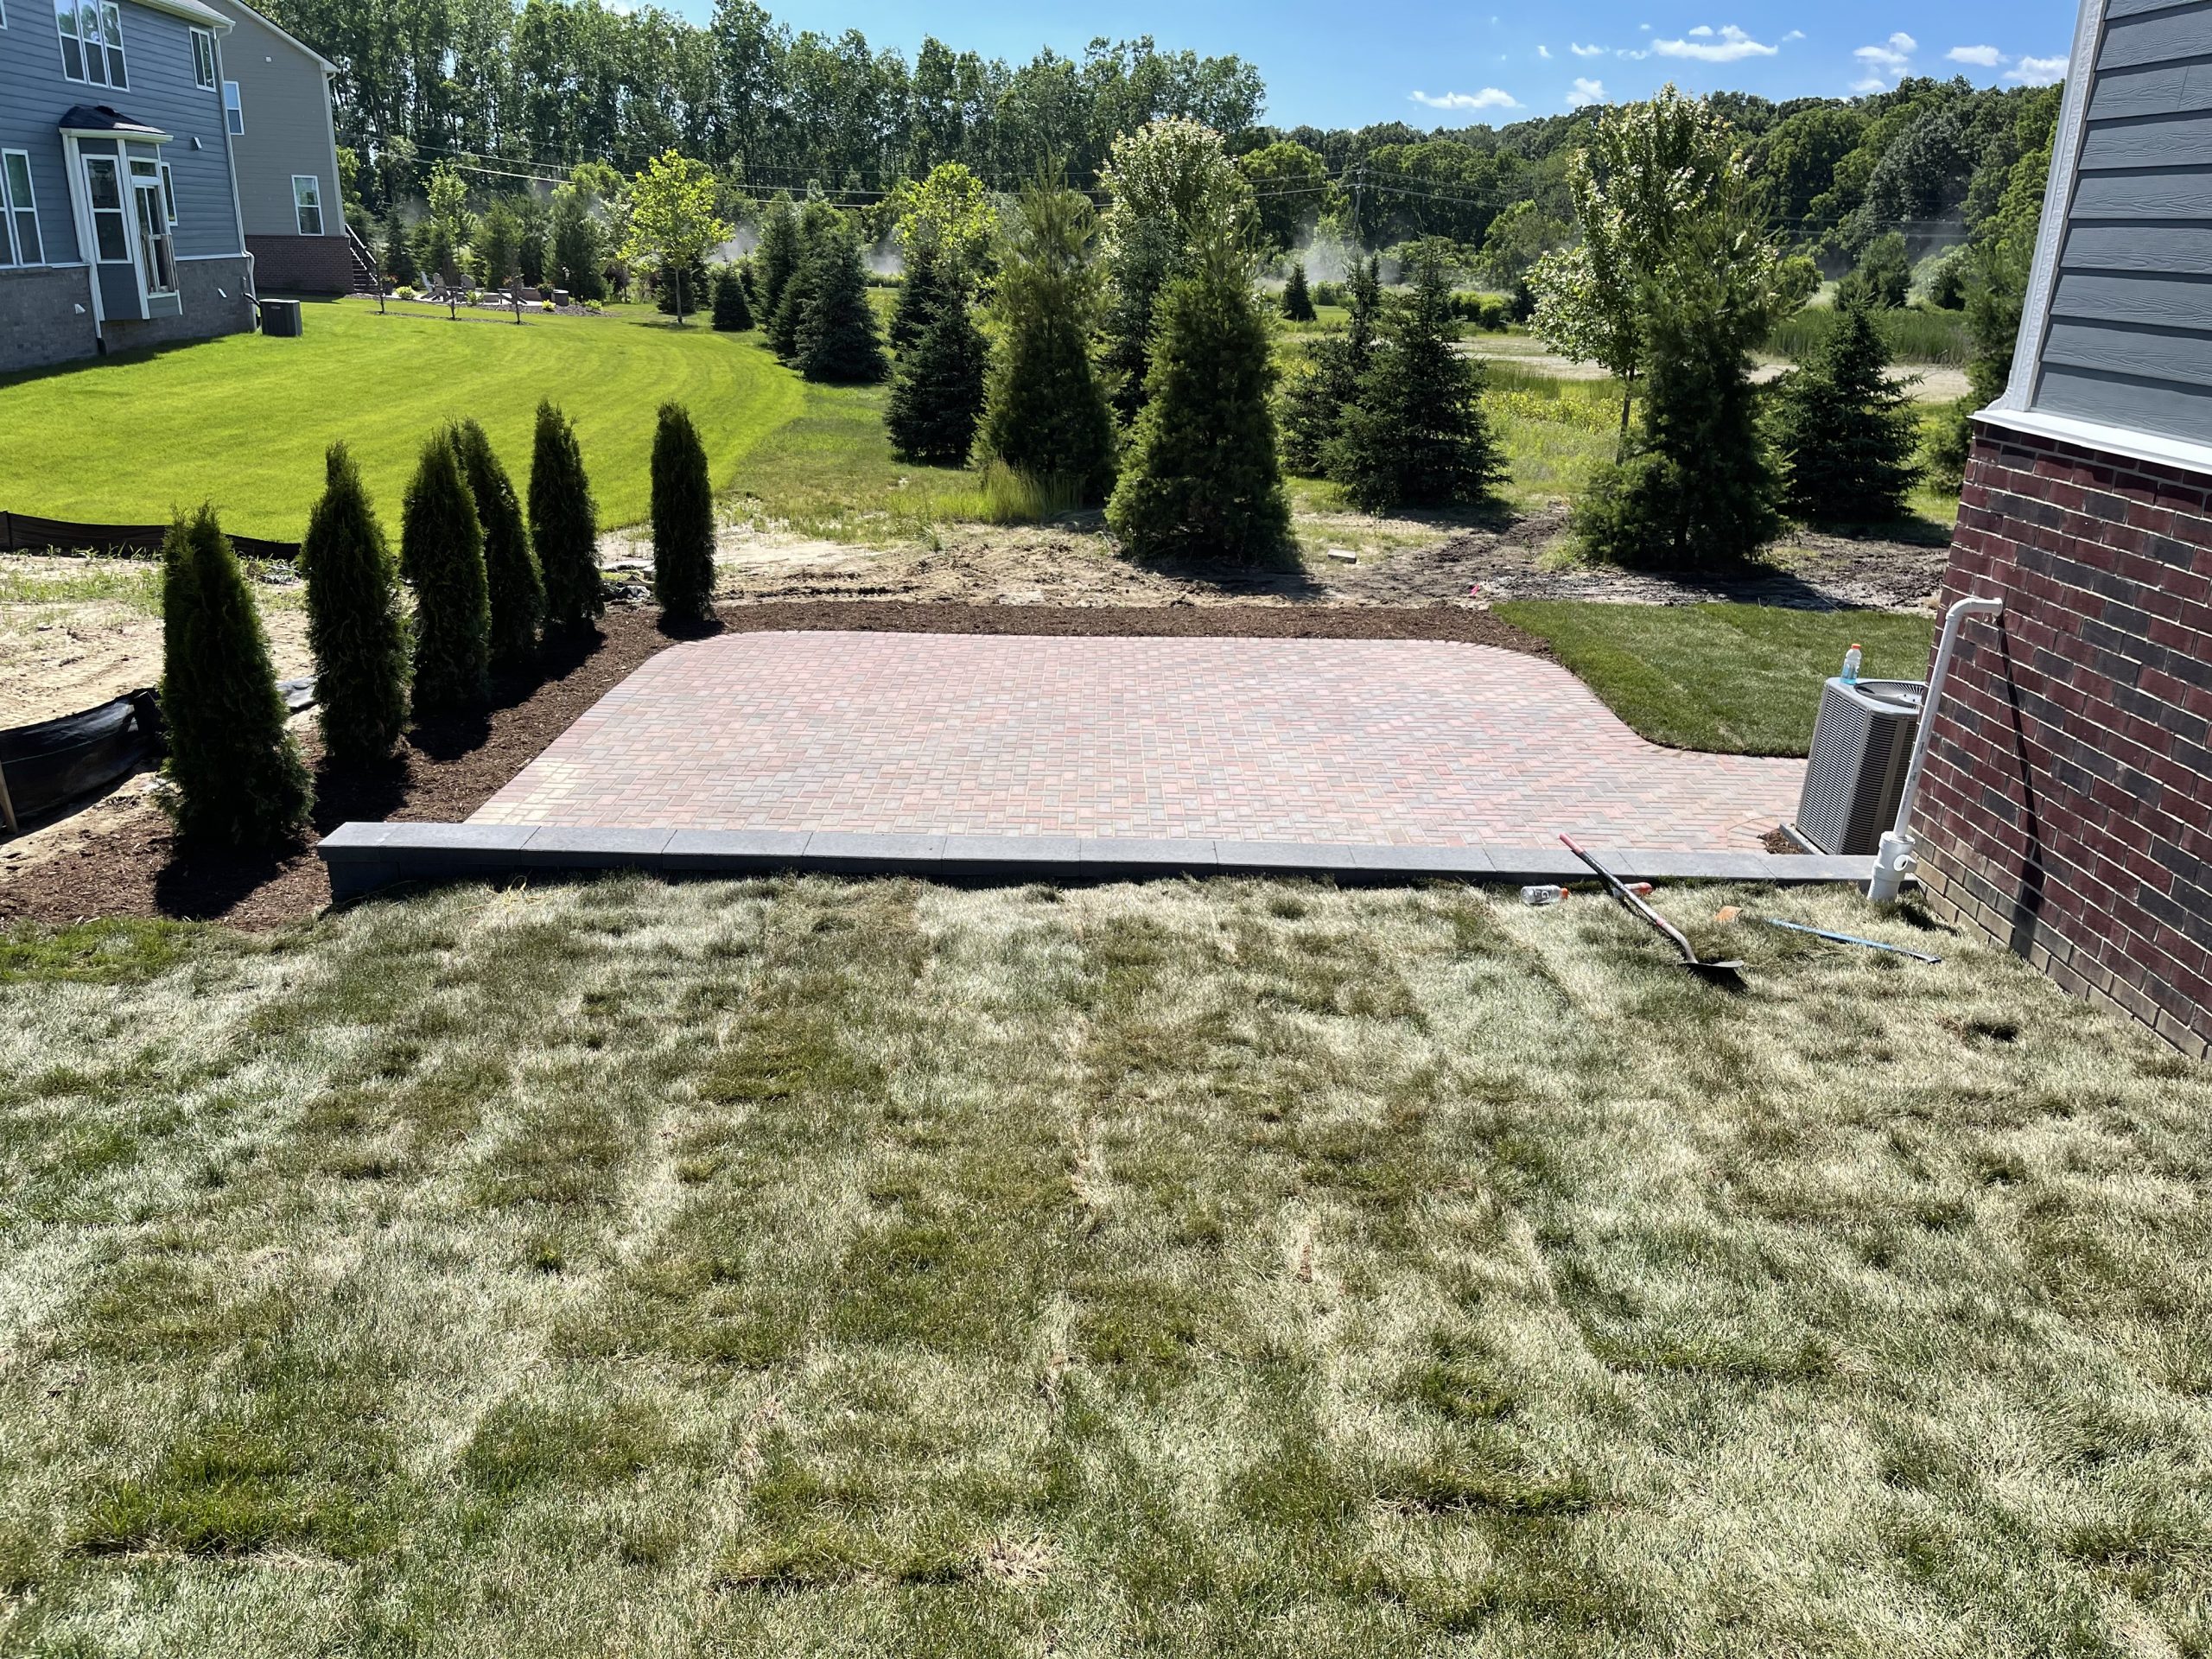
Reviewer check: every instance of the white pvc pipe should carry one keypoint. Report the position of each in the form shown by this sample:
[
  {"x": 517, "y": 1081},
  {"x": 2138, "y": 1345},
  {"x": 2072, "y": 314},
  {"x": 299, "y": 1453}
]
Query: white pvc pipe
[{"x": 1898, "y": 856}]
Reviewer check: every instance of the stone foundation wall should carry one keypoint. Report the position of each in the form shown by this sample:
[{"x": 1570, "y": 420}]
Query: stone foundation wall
[
  {"x": 301, "y": 264},
  {"x": 2067, "y": 804},
  {"x": 215, "y": 302},
  {"x": 46, "y": 316}
]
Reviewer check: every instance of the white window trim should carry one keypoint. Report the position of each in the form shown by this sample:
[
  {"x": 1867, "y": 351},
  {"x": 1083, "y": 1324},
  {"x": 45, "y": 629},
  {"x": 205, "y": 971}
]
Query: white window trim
[
  {"x": 13, "y": 207},
  {"x": 104, "y": 8},
  {"x": 124, "y": 209},
  {"x": 201, "y": 37},
  {"x": 168, "y": 194},
  {"x": 231, "y": 92},
  {"x": 322, "y": 224}
]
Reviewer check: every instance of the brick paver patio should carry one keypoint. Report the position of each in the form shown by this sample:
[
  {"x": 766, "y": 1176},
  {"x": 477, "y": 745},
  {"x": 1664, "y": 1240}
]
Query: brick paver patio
[{"x": 1411, "y": 743}]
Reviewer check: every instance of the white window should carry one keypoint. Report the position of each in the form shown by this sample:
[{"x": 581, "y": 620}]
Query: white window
[
  {"x": 92, "y": 42},
  {"x": 203, "y": 59},
  {"x": 104, "y": 184},
  {"x": 168, "y": 193},
  {"x": 307, "y": 202},
  {"x": 21, "y": 213},
  {"x": 156, "y": 252},
  {"x": 233, "y": 110}
]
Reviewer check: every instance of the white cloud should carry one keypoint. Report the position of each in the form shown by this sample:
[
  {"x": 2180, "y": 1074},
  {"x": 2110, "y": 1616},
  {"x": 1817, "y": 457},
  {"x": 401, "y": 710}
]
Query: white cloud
[
  {"x": 1585, "y": 90},
  {"x": 1885, "y": 63},
  {"x": 1489, "y": 99},
  {"x": 1625, "y": 53},
  {"x": 1545, "y": 53},
  {"x": 1726, "y": 45},
  {"x": 1794, "y": 35},
  {"x": 1585, "y": 51},
  {"x": 2038, "y": 72},
  {"x": 1983, "y": 57}
]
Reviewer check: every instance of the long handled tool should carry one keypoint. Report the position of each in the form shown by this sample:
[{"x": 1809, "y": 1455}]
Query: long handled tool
[
  {"x": 1718, "y": 973},
  {"x": 1849, "y": 938}
]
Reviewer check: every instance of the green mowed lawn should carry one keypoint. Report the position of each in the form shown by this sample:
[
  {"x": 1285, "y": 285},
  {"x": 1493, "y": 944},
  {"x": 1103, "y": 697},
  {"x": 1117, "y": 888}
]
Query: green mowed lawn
[
  {"x": 244, "y": 420},
  {"x": 1730, "y": 679},
  {"x": 1233, "y": 1267}
]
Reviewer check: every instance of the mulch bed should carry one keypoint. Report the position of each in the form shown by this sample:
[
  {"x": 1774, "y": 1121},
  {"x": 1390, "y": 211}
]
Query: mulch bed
[{"x": 450, "y": 767}]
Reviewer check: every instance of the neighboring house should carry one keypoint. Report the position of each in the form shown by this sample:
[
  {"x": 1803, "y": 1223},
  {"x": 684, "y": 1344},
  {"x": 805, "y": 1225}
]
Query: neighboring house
[
  {"x": 2069, "y": 782},
  {"x": 122, "y": 226},
  {"x": 276, "y": 100}
]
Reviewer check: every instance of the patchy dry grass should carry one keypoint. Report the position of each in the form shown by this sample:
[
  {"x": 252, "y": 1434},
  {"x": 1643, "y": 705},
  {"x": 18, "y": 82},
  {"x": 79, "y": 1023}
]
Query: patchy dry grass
[{"x": 806, "y": 1267}]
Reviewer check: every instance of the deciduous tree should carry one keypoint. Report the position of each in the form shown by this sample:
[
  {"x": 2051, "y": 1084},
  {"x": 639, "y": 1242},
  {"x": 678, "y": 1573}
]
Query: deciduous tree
[{"x": 673, "y": 220}]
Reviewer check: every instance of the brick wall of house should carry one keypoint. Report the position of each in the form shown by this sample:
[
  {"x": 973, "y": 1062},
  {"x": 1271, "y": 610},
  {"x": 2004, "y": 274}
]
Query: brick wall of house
[
  {"x": 2067, "y": 804},
  {"x": 301, "y": 264}
]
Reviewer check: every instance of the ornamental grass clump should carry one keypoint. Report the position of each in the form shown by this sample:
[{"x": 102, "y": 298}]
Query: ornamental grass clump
[
  {"x": 683, "y": 521},
  {"x": 564, "y": 526},
  {"x": 442, "y": 556},
  {"x": 356, "y": 627},
  {"x": 235, "y": 775},
  {"x": 515, "y": 594}
]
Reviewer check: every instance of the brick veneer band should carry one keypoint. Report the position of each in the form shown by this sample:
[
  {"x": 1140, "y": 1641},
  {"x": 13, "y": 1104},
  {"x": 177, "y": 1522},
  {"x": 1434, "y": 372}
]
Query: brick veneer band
[{"x": 2067, "y": 804}]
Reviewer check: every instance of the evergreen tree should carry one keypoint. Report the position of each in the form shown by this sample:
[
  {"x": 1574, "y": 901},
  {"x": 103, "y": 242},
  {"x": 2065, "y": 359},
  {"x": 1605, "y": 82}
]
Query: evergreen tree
[
  {"x": 816, "y": 224},
  {"x": 442, "y": 556},
  {"x": 680, "y": 289},
  {"x": 733, "y": 311},
  {"x": 837, "y": 341},
  {"x": 1415, "y": 434},
  {"x": 564, "y": 524},
  {"x": 920, "y": 295},
  {"x": 1044, "y": 413},
  {"x": 1846, "y": 430},
  {"x": 1316, "y": 401},
  {"x": 511, "y": 582},
  {"x": 777, "y": 256},
  {"x": 579, "y": 252},
  {"x": 938, "y": 396},
  {"x": 683, "y": 522},
  {"x": 1201, "y": 481},
  {"x": 355, "y": 626},
  {"x": 1297, "y": 302},
  {"x": 398, "y": 259},
  {"x": 236, "y": 775}
]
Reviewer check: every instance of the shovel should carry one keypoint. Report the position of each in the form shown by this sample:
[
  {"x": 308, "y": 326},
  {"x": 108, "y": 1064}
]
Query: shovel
[{"x": 1729, "y": 974}]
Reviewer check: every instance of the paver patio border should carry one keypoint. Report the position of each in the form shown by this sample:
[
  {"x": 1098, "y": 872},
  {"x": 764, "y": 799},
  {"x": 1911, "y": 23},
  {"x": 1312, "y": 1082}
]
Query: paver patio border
[{"x": 363, "y": 857}]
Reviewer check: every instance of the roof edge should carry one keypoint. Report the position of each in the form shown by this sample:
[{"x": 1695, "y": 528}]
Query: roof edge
[{"x": 279, "y": 31}]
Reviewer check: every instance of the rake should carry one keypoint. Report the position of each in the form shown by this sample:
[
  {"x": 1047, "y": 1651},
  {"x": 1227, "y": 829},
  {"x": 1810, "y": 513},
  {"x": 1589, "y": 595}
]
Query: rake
[{"x": 1728, "y": 974}]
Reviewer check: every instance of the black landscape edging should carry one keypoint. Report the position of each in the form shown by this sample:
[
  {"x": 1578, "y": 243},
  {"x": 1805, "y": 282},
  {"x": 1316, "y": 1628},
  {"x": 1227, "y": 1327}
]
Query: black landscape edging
[{"x": 363, "y": 857}]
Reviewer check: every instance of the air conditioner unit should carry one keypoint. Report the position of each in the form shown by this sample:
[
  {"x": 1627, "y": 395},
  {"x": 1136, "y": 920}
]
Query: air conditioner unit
[{"x": 1862, "y": 745}]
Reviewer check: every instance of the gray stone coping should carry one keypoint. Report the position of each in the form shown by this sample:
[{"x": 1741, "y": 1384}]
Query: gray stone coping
[{"x": 363, "y": 857}]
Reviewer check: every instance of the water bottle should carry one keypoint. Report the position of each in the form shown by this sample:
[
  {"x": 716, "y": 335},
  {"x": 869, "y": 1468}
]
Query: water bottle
[
  {"x": 1549, "y": 893},
  {"x": 1851, "y": 666}
]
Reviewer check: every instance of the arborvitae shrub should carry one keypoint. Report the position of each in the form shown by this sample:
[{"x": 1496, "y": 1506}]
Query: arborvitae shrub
[
  {"x": 511, "y": 579},
  {"x": 938, "y": 396},
  {"x": 355, "y": 626},
  {"x": 1201, "y": 481},
  {"x": 919, "y": 294},
  {"x": 236, "y": 774},
  {"x": 1846, "y": 430},
  {"x": 1297, "y": 303},
  {"x": 733, "y": 311},
  {"x": 837, "y": 341},
  {"x": 564, "y": 524},
  {"x": 1045, "y": 413},
  {"x": 442, "y": 556},
  {"x": 683, "y": 521},
  {"x": 1415, "y": 434}
]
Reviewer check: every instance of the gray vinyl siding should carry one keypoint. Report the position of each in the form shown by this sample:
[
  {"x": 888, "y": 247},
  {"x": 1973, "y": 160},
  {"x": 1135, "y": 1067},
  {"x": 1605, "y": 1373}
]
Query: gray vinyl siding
[
  {"x": 2129, "y": 341},
  {"x": 285, "y": 99},
  {"x": 157, "y": 62}
]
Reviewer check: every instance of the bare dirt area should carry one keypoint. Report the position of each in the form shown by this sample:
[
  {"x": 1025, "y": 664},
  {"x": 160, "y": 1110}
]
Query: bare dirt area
[
  {"x": 74, "y": 635},
  {"x": 118, "y": 856},
  {"x": 1925, "y": 383}
]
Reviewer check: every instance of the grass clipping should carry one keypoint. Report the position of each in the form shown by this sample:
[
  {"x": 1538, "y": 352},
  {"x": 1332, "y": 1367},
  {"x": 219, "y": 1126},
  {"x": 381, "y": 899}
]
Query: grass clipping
[{"x": 736, "y": 1267}]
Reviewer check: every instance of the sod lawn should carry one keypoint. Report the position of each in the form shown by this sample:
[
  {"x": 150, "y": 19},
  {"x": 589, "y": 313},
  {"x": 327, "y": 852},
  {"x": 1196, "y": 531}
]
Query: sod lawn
[
  {"x": 244, "y": 420},
  {"x": 1728, "y": 679},
  {"x": 1238, "y": 1267}
]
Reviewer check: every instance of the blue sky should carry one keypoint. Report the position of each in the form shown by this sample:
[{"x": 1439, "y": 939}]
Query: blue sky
[{"x": 1337, "y": 64}]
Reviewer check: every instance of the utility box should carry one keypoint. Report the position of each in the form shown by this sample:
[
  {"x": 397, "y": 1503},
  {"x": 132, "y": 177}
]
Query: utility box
[
  {"x": 281, "y": 319},
  {"x": 1862, "y": 747}
]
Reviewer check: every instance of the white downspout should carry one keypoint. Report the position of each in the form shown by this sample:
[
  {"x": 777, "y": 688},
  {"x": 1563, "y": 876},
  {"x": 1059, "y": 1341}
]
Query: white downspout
[{"x": 1899, "y": 855}]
